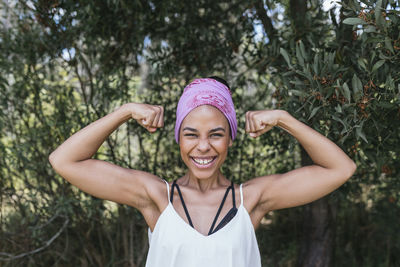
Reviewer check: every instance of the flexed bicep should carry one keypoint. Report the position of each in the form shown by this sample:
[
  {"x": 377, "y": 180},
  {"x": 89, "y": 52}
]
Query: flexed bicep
[
  {"x": 297, "y": 187},
  {"x": 73, "y": 159},
  {"x": 331, "y": 168},
  {"x": 109, "y": 181}
]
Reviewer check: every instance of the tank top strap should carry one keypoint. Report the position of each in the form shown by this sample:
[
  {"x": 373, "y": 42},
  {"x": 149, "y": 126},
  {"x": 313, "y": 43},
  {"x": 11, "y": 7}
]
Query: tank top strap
[
  {"x": 233, "y": 195},
  {"x": 174, "y": 184},
  {"x": 241, "y": 195},
  {"x": 167, "y": 188}
]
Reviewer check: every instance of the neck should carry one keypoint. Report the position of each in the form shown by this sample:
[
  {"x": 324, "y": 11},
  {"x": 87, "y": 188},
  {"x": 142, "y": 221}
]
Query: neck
[{"x": 204, "y": 184}]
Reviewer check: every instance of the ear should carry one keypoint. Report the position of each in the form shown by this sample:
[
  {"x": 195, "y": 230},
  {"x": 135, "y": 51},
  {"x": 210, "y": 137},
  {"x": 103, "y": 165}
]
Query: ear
[{"x": 230, "y": 142}]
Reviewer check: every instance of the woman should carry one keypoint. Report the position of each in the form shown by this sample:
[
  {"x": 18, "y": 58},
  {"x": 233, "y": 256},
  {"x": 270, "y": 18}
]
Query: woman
[{"x": 190, "y": 231}]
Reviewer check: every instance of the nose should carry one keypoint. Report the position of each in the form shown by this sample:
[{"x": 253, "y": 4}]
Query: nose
[{"x": 203, "y": 145}]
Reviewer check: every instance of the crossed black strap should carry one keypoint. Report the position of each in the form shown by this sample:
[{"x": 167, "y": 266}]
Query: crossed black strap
[{"x": 228, "y": 217}]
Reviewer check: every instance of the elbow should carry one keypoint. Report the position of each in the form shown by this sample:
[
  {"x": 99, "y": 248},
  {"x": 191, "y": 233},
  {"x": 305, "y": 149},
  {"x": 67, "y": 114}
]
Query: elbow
[
  {"x": 350, "y": 169},
  {"x": 53, "y": 159},
  {"x": 354, "y": 167}
]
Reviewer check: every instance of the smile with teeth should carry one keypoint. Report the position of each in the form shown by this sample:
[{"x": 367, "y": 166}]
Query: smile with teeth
[{"x": 203, "y": 161}]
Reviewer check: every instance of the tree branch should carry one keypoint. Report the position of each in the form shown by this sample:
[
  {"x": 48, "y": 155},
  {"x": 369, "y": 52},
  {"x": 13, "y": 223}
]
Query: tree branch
[
  {"x": 265, "y": 20},
  {"x": 10, "y": 257}
]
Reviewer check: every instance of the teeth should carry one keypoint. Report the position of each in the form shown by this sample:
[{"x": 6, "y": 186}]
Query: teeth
[{"x": 202, "y": 161}]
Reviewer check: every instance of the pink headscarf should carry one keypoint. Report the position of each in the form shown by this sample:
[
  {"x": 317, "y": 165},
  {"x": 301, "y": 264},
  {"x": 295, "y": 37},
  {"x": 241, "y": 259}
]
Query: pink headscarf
[{"x": 206, "y": 91}]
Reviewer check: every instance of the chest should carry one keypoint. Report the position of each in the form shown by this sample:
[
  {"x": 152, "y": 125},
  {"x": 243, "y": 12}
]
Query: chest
[
  {"x": 205, "y": 214},
  {"x": 203, "y": 210},
  {"x": 204, "y": 218},
  {"x": 174, "y": 243},
  {"x": 172, "y": 228}
]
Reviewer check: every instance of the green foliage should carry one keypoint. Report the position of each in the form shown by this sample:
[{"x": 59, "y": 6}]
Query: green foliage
[
  {"x": 346, "y": 86},
  {"x": 65, "y": 64}
]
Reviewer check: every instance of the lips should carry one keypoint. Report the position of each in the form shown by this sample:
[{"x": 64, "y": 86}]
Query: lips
[{"x": 203, "y": 162}]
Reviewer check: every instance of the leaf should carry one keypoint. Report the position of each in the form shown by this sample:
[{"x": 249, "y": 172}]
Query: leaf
[
  {"x": 297, "y": 82},
  {"x": 360, "y": 133},
  {"x": 354, "y": 21},
  {"x": 288, "y": 73},
  {"x": 303, "y": 51},
  {"x": 361, "y": 62},
  {"x": 299, "y": 56},
  {"x": 346, "y": 91},
  {"x": 308, "y": 74},
  {"x": 297, "y": 92},
  {"x": 373, "y": 54},
  {"x": 378, "y": 14},
  {"x": 389, "y": 83},
  {"x": 356, "y": 5},
  {"x": 315, "y": 64},
  {"x": 385, "y": 104},
  {"x": 313, "y": 112},
  {"x": 303, "y": 74},
  {"x": 373, "y": 40},
  {"x": 356, "y": 83},
  {"x": 388, "y": 44},
  {"x": 285, "y": 56},
  {"x": 357, "y": 88},
  {"x": 378, "y": 65},
  {"x": 339, "y": 120},
  {"x": 370, "y": 28}
]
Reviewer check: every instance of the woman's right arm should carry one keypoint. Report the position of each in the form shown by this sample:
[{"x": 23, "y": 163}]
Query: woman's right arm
[{"x": 73, "y": 159}]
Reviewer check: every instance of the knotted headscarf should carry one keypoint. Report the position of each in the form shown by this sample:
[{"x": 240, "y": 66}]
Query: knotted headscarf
[{"x": 206, "y": 91}]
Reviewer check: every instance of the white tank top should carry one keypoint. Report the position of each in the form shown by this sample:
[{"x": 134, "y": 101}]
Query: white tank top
[{"x": 174, "y": 243}]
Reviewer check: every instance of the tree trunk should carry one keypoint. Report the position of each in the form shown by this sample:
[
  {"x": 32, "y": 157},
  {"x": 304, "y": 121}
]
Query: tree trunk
[
  {"x": 297, "y": 11},
  {"x": 318, "y": 234},
  {"x": 318, "y": 230}
]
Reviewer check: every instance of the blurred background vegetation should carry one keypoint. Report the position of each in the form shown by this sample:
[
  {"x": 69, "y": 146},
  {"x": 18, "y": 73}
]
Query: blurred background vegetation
[{"x": 64, "y": 64}]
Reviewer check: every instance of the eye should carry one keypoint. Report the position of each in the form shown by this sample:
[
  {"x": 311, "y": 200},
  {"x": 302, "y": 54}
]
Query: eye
[
  {"x": 217, "y": 135},
  {"x": 190, "y": 135}
]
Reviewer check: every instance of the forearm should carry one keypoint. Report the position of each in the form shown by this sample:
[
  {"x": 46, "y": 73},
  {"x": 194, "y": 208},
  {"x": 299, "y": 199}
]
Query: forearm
[
  {"x": 84, "y": 144},
  {"x": 321, "y": 150}
]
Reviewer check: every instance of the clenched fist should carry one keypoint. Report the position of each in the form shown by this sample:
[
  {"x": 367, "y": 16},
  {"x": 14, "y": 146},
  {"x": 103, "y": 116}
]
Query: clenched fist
[
  {"x": 261, "y": 121},
  {"x": 150, "y": 117}
]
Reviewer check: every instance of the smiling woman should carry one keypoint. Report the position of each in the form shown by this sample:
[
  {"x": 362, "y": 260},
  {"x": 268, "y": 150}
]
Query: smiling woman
[
  {"x": 204, "y": 141},
  {"x": 189, "y": 231}
]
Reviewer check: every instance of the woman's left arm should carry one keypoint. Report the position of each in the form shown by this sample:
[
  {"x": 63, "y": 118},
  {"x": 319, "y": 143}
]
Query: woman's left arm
[{"x": 331, "y": 168}]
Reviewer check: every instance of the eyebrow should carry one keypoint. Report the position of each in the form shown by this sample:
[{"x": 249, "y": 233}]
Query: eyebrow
[{"x": 211, "y": 131}]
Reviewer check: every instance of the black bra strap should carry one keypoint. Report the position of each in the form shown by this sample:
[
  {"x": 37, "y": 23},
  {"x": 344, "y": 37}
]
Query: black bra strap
[
  {"x": 220, "y": 207},
  {"x": 171, "y": 197},
  {"x": 183, "y": 202},
  {"x": 233, "y": 195}
]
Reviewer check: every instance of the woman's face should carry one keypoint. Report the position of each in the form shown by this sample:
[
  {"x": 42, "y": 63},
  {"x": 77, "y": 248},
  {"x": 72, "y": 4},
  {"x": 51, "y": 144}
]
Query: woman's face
[{"x": 204, "y": 139}]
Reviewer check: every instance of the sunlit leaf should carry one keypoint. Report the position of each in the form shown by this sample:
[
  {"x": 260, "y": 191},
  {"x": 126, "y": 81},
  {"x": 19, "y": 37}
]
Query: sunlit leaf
[{"x": 354, "y": 21}]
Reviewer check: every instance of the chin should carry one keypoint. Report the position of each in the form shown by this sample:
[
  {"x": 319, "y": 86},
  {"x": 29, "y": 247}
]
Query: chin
[{"x": 203, "y": 175}]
